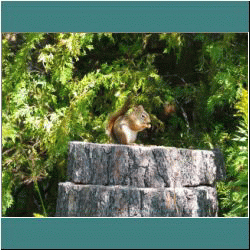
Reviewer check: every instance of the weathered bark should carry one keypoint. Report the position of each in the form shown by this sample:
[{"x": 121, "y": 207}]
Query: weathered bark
[
  {"x": 123, "y": 201},
  {"x": 138, "y": 166},
  {"x": 108, "y": 180}
]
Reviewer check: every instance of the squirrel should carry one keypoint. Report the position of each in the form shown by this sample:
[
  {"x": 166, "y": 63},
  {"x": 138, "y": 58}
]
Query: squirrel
[{"x": 123, "y": 127}]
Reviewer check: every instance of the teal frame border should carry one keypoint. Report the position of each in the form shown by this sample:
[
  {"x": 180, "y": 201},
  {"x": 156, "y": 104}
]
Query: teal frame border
[
  {"x": 73, "y": 233},
  {"x": 122, "y": 16},
  {"x": 128, "y": 233}
]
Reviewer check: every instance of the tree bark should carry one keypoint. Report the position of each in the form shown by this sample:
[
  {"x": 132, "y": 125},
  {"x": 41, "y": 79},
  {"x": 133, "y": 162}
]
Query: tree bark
[{"x": 111, "y": 180}]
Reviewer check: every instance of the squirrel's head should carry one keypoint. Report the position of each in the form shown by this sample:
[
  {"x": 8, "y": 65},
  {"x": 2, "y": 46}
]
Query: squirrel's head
[{"x": 142, "y": 116}]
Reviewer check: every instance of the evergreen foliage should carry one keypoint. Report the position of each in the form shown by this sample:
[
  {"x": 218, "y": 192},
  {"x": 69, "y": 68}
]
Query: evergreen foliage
[
  {"x": 234, "y": 193},
  {"x": 60, "y": 87}
]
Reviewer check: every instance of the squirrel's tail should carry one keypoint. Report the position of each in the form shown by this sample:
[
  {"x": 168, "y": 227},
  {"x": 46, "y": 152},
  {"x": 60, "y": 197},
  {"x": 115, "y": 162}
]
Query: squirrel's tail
[{"x": 114, "y": 117}]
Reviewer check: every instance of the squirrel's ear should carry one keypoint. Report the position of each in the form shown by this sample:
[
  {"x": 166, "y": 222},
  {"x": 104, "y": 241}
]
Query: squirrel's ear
[
  {"x": 136, "y": 108},
  {"x": 140, "y": 107}
]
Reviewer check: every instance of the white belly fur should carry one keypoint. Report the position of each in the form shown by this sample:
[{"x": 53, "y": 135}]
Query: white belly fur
[{"x": 131, "y": 135}]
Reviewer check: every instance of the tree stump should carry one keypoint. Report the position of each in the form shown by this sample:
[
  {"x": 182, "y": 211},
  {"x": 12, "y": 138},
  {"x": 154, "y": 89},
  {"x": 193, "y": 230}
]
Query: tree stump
[{"x": 112, "y": 180}]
